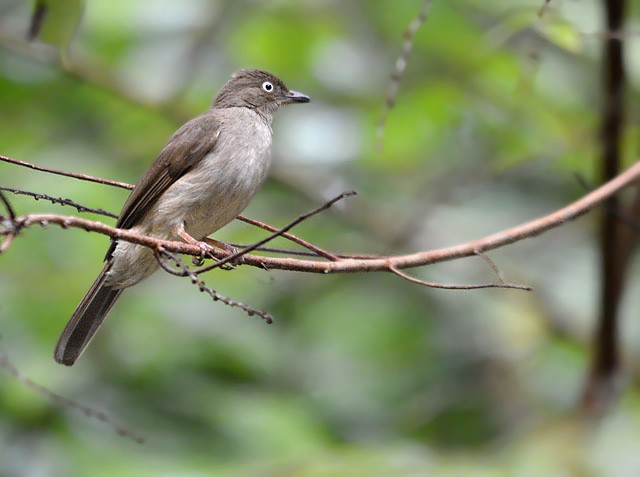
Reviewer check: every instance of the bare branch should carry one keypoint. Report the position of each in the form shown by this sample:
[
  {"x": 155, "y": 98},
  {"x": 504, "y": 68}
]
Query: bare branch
[
  {"x": 399, "y": 69},
  {"x": 365, "y": 263},
  {"x": 11, "y": 369}
]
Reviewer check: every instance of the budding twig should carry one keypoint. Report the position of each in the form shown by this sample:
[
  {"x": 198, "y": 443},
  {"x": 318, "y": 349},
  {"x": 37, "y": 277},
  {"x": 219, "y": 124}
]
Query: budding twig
[
  {"x": 399, "y": 69},
  {"x": 186, "y": 271},
  {"x": 59, "y": 200}
]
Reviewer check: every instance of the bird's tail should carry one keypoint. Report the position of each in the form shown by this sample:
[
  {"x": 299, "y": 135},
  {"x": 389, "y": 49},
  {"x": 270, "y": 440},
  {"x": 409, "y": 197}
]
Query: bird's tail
[{"x": 86, "y": 320}]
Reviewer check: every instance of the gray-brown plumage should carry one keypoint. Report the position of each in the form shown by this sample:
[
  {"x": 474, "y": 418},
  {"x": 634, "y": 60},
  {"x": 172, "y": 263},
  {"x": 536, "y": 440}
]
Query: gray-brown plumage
[{"x": 203, "y": 178}]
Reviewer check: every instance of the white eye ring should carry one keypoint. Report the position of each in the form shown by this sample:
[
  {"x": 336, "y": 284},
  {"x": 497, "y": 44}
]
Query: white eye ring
[{"x": 267, "y": 86}]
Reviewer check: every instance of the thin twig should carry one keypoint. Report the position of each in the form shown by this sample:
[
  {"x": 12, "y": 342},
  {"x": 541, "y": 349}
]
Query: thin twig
[
  {"x": 9, "y": 224},
  {"x": 11, "y": 369},
  {"x": 250, "y": 311},
  {"x": 235, "y": 256},
  {"x": 7, "y": 204},
  {"x": 159, "y": 254},
  {"x": 493, "y": 266},
  {"x": 61, "y": 201},
  {"x": 84, "y": 177},
  {"x": 399, "y": 69},
  {"x": 301, "y": 253},
  {"x": 456, "y": 287},
  {"x": 291, "y": 237},
  {"x": 279, "y": 251}
]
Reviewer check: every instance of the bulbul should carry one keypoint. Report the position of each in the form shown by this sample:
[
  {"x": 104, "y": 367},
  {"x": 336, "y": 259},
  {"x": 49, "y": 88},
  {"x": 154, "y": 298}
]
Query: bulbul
[{"x": 202, "y": 179}]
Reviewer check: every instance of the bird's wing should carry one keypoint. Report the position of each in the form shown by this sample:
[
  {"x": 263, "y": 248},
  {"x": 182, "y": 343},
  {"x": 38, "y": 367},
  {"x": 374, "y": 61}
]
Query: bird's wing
[{"x": 186, "y": 148}]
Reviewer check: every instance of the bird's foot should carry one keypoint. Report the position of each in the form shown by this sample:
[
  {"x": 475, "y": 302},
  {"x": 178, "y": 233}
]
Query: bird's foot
[
  {"x": 229, "y": 248},
  {"x": 205, "y": 251},
  {"x": 205, "y": 248}
]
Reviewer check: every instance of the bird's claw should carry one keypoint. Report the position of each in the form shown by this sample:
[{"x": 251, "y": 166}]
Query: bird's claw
[{"x": 205, "y": 248}]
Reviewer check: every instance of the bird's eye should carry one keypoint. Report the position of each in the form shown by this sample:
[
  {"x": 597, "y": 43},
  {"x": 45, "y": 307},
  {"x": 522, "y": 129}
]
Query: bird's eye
[{"x": 267, "y": 86}]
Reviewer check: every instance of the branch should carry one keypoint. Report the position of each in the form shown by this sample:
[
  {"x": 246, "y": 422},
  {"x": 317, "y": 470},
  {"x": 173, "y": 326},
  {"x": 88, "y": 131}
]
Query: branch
[
  {"x": 601, "y": 388},
  {"x": 235, "y": 256},
  {"x": 59, "y": 200},
  {"x": 315, "y": 249},
  {"x": 83, "y": 177},
  {"x": 12, "y": 370},
  {"x": 365, "y": 264},
  {"x": 123, "y": 185},
  {"x": 7, "y": 225},
  {"x": 443, "y": 286}
]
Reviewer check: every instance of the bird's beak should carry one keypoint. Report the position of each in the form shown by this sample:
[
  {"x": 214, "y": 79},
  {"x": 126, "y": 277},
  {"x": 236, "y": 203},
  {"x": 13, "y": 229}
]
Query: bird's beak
[{"x": 295, "y": 97}]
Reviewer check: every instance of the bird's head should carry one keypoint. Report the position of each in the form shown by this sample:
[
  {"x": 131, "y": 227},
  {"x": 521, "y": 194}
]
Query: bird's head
[{"x": 258, "y": 90}]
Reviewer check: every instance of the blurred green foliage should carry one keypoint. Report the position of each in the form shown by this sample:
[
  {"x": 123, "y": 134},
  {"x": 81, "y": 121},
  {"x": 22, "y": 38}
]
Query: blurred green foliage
[{"x": 361, "y": 375}]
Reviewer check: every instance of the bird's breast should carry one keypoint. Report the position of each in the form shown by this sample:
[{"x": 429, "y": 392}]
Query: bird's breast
[{"x": 224, "y": 182}]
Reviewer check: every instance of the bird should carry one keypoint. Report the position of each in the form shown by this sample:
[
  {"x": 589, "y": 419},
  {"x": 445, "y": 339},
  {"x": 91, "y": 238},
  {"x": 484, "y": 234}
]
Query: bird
[{"x": 202, "y": 179}]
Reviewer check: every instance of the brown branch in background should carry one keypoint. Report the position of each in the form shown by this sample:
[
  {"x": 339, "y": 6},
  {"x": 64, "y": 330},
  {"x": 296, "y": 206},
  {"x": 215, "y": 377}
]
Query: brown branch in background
[
  {"x": 364, "y": 264},
  {"x": 12, "y": 370},
  {"x": 84, "y": 177},
  {"x": 399, "y": 69},
  {"x": 631, "y": 220},
  {"x": 600, "y": 388},
  {"x": 186, "y": 271}
]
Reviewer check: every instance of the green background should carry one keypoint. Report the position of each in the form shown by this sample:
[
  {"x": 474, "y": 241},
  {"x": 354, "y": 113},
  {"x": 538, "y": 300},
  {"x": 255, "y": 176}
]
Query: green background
[{"x": 362, "y": 374}]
